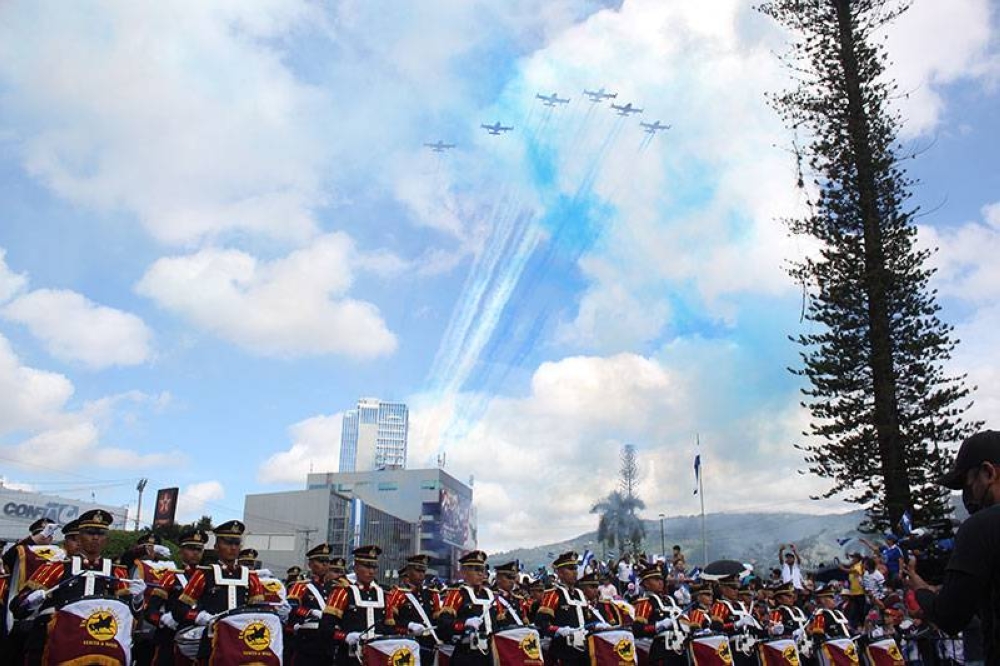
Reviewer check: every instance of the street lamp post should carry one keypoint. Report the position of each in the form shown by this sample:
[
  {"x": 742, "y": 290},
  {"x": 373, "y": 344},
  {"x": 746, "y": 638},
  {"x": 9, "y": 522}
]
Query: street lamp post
[{"x": 663, "y": 540}]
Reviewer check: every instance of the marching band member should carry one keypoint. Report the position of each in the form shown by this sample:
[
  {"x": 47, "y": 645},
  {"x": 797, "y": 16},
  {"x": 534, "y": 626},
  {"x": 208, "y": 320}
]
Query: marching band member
[
  {"x": 192, "y": 546},
  {"x": 308, "y": 599},
  {"x": 470, "y": 613},
  {"x": 504, "y": 585},
  {"x": 655, "y": 614},
  {"x": 220, "y": 587},
  {"x": 564, "y": 614},
  {"x": 412, "y": 607},
  {"x": 56, "y": 584},
  {"x": 357, "y": 610}
]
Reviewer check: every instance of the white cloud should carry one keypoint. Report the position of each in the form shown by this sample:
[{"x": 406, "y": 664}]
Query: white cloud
[
  {"x": 934, "y": 44},
  {"x": 183, "y": 114},
  {"x": 315, "y": 447},
  {"x": 565, "y": 437},
  {"x": 73, "y": 328},
  {"x": 43, "y": 431},
  {"x": 193, "y": 499},
  {"x": 293, "y": 306},
  {"x": 11, "y": 283}
]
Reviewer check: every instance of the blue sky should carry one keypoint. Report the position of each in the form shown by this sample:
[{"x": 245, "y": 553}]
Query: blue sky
[{"x": 220, "y": 228}]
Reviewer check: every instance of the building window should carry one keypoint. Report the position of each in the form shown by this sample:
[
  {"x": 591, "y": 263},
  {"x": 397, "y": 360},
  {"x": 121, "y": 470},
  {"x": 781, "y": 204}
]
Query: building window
[
  {"x": 388, "y": 486},
  {"x": 429, "y": 485}
]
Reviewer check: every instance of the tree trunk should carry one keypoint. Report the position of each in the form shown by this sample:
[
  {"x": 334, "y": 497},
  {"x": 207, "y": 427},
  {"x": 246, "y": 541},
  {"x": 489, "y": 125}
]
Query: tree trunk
[{"x": 876, "y": 280}]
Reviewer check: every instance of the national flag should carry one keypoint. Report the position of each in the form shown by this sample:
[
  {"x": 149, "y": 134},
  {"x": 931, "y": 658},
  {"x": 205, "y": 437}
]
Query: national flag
[
  {"x": 697, "y": 473},
  {"x": 843, "y": 541},
  {"x": 586, "y": 559}
]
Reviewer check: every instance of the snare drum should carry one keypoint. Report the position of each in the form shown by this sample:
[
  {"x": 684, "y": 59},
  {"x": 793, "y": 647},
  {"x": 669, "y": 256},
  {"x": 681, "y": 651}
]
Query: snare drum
[
  {"x": 517, "y": 646},
  {"x": 248, "y": 634},
  {"x": 710, "y": 650},
  {"x": 838, "y": 652},
  {"x": 390, "y": 651},
  {"x": 778, "y": 652},
  {"x": 612, "y": 647},
  {"x": 90, "y": 630},
  {"x": 188, "y": 641}
]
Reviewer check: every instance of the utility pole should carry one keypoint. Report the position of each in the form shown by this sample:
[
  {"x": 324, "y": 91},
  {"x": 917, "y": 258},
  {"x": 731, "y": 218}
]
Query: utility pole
[
  {"x": 305, "y": 539},
  {"x": 138, "y": 508},
  {"x": 663, "y": 541}
]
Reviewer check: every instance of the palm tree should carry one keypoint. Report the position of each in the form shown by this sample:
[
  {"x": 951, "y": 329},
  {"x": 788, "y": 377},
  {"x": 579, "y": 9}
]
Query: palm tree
[{"x": 618, "y": 525}]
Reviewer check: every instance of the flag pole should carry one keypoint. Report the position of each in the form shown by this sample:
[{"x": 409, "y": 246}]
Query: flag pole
[{"x": 701, "y": 496}]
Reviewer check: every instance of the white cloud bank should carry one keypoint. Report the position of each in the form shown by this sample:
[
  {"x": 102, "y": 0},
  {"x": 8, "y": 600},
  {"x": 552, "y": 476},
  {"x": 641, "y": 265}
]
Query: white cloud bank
[
  {"x": 293, "y": 306},
  {"x": 73, "y": 328},
  {"x": 315, "y": 447}
]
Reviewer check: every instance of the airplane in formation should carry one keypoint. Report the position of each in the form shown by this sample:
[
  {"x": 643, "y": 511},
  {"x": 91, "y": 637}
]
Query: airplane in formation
[
  {"x": 599, "y": 95},
  {"x": 626, "y": 109},
  {"x": 654, "y": 127},
  {"x": 440, "y": 146},
  {"x": 497, "y": 128},
  {"x": 552, "y": 100}
]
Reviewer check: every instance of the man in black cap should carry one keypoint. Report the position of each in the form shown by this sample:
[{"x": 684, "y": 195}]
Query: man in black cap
[
  {"x": 564, "y": 614},
  {"x": 55, "y": 584},
  {"x": 972, "y": 578},
  {"x": 338, "y": 572},
  {"x": 469, "y": 614},
  {"x": 412, "y": 607},
  {"x": 220, "y": 587},
  {"x": 308, "y": 599},
  {"x": 730, "y": 617},
  {"x": 504, "y": 585},
  {"x": 356, "y": 611},
  {"x": 656, "y": 617},
  {"x": 292, "y": 576},
  {"x": 606, "y": 614},
  {"x": 192, "y": 543}
]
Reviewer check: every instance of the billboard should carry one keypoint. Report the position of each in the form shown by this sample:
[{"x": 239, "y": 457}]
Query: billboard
[
  {"x": 19, "y": 508},
  {"x": 166, "y": 507},
  {"x": 458, "y": 520}
]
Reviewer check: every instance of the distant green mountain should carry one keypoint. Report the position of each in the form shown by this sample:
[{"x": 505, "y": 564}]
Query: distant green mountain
[{"x": 747, "y": 537}]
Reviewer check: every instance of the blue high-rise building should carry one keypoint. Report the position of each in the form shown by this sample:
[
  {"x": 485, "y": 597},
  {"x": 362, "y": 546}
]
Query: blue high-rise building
[{"x": 374, "y": 436}]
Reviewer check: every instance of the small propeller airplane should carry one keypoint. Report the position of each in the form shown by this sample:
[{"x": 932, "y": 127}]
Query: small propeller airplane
[
  {"x": 599, "y": 95},
  {"x": 497, "y": 128},
  {"x": 440, "y": 146},
  {"x": 552, "y": 100},
  {"x": 626, "y": 109},
  {"x": 654, "y": 127}
]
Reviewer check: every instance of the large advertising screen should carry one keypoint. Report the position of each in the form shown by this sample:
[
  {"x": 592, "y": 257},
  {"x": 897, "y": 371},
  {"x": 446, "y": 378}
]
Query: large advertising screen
[
  {"x": 458, "y": 518},
  {"x": 166, "y": 507}
]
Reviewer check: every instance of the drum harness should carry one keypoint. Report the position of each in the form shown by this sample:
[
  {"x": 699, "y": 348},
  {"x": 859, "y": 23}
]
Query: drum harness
[
  {"x": 578, "y": 639},
  {"x": 479, "y": 640},
  {"x": 417, "y": 606}
]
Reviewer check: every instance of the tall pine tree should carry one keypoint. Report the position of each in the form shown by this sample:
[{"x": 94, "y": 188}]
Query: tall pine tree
[{"x": 882, "y": 405}]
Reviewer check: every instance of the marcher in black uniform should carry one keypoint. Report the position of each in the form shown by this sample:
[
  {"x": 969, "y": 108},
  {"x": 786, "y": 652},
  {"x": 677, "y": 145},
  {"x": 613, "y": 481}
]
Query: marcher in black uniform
[
  {"x": 827, "y": 622},
  {"x": 606, "y": 613},
  {"x": 504, "y": 585},
  {"x": 355, "y": 611},
  {"x": 192, "y": 547},
  {"x": 20, "y": 562},
  {"x": 656, "y": 613},
  {"x": 56, "y": 584},
  {"x": 732, "y": 618},
  {"x": 218, "y": 588},
  {"x": 470, "y": 613},
  {"x": 412, "y": 607},
  {"x": 564, "y": 614},
  {"x": 308, "y": 599}
]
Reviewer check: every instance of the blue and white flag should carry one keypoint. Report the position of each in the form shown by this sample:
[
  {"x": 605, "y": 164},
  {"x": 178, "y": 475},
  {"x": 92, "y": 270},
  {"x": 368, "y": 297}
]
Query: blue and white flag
[
  {"x": 697, "y": 473},
  {"x": 906, "y": 522},
  {"x": 586, "y": 559},
  {"x": 844, "y": 541}
]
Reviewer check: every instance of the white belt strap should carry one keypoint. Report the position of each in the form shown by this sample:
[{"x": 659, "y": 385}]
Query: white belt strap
[
  {"x": 314, "y": 591},
  {"x": 369, "y": 606},
  {"x": 231, "y": 583},
  {"x": 509, "y": 607},
  {"x": 578, "y": 601},
  {"x": 422, "y": 614},
  {"x": 89, "y": 577},
  {"x": 484, "y": 606}
]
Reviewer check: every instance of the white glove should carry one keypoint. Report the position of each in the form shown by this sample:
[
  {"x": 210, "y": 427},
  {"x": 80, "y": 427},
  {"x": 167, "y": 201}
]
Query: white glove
[
  {"x": 35, "y": 599},
  {"x": 352, "y": 638},
  {"x": 167, "y": 620},
  {"x": 49, "y": 530},
  {"x": 264, "y": 573},
  {"x": 316, "y": 614},
  {"x": 474, "y": 623},
  {"x": 161, "y": 551},
  {"x": 563, "y": 632},
  {"x": 203, "y": 618},
  {"x": 416, "y": 628},
  {"x": 797, "y": 634},
  {"x": 664, "y": 624},
  {"x": 877, "y": 632},
  {"x": 777, "y": 629},
  {"x": 600, "y": 626},
  {"x": 283, "y": 610},
  {"x": 744, "y": 621},
  {"x": 136, "y": 588}
]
